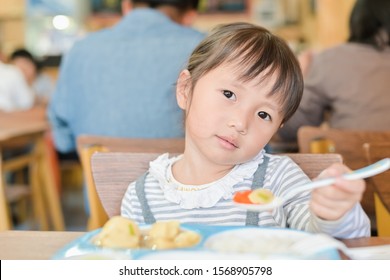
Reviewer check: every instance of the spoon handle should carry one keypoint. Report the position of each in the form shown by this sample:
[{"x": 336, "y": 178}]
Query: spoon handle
[
  {"x": 365, "y": 172},
  {"x": 369, "y": 171}
]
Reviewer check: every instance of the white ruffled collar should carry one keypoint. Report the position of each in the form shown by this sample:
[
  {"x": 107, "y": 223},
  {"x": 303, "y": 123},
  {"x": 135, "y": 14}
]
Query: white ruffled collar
[{"x": 200, "y": 196}]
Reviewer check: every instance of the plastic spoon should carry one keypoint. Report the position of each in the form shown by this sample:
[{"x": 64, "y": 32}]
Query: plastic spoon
[{"x": 365, "y": 172}]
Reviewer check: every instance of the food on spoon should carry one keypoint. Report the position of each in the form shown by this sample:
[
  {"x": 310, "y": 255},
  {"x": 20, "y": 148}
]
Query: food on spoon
[
  {"x": 258, "y": 196},
  {"x": 119, "y": 232},
  {"x": 261, "y": 196},
  {"x": 242, "y": 197}
]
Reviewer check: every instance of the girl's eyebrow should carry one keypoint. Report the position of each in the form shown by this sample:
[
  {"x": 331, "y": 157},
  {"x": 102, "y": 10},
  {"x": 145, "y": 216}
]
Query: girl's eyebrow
[
  {"x": 272, "y": 105},
  {"x": 236, "y": 84}
]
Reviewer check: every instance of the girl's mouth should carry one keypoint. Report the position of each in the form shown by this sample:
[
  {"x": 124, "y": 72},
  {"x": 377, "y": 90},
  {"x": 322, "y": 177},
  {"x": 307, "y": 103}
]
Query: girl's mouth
[{"x": 228, "y": 142}]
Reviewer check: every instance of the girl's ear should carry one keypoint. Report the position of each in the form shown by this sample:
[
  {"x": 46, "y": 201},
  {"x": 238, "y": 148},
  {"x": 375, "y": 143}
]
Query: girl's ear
[{"x": 183, "y": 89}]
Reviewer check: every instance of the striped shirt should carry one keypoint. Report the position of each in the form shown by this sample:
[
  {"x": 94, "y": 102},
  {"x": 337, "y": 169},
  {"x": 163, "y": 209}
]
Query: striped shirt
[{"x": 282, "y": 175}]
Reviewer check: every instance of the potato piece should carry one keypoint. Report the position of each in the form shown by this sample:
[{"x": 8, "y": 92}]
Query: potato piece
[
  {"x": 165, "y": 230},
  {"x": 119, "y": 232},
  {"x": 162, "y": 243},
  {"x": 186, "y": 239},
  {"x": 261, "y": 196}
]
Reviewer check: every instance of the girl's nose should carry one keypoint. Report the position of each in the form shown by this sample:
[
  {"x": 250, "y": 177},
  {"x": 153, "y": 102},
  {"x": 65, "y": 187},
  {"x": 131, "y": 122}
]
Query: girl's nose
[{"x": 239, "y": 123}]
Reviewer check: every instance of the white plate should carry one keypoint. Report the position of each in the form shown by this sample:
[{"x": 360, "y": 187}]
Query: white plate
[{"x": 266, "y": 243}]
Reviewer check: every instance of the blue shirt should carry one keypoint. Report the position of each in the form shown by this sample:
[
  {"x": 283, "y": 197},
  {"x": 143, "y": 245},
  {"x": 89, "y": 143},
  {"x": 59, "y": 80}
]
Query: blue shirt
[{"x": 121, "y": 81}]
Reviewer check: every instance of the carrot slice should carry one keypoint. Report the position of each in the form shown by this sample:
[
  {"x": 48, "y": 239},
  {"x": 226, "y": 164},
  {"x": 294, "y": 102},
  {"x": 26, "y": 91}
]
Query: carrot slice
[{"x": 242, "y": 197}]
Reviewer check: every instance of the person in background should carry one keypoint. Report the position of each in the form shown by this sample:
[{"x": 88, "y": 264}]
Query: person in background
[
  {"x": 348, "y": 85},
  {"x": 120, "y": 81},
  {"x": 41, "y": 84},
  {"x": 241, "y": 84},
  {"x": 15, "y": 94}
]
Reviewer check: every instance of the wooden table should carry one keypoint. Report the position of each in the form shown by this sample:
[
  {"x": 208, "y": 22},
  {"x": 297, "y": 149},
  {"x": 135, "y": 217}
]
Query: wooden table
[
  {"x": 33, "y": 245},
  {"x": 366, "y": 241},
  {"x": 23, "y": 128},
  {"x": 41, "y": 245}
]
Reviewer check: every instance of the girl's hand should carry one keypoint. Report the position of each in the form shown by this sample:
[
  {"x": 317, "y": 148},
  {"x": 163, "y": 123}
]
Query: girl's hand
[{"x": 333, "y": 202}]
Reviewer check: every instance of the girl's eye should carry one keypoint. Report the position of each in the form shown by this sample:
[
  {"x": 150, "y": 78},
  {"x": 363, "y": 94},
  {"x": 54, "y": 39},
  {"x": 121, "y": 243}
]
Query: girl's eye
[
  {"x": 264, "y": 116},
  {"x": 230, "y": 95}
]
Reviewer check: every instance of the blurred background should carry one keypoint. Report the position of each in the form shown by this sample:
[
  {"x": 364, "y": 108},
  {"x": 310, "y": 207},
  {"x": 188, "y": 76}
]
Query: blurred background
[{"x": 49, "y": 28}]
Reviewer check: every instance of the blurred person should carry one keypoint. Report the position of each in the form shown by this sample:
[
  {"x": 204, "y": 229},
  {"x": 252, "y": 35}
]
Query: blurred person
[
  {"x": 348, "y": 85},
  {"x": 15, "y": 94},
  {"x": 41, "y": 84},
  {"x": 120, "y": 81}
]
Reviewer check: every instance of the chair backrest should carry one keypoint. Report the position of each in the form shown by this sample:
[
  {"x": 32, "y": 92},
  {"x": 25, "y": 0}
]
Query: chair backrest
[
  {"x": 113, "y": 172},
  {"x": 134, "y": 145},
  {"x": 348, "y": 143},
  {"x": 87, "y": 145},
  {"x": 381, "y": 184}
]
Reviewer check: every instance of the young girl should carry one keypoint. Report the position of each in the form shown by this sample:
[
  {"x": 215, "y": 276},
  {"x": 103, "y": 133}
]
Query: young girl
[{"x": 241, "y": 84}]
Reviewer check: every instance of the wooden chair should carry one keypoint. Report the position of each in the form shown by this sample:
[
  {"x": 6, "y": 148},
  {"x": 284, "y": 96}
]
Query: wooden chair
[
  {"x": 113, "y": 172},
  {"x": 20, "y": 194},
  {"x": 87, "y": 145},
  {"x": 381, "y": 184},
  {"x": 348, "y": 143},
  {"x": 27, "y": 132}
]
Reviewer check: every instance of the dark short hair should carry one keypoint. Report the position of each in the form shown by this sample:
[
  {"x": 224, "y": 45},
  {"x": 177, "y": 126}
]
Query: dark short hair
[
  {"x": 25, "y": 54},
  {"x": 367, "y": 18},
  {"x": 255, "y": 51},
  {"x": 182, "y": 5}
]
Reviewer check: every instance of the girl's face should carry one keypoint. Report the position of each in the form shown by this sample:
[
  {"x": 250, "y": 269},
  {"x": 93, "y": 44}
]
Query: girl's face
[{"x": 228, "y": 121}]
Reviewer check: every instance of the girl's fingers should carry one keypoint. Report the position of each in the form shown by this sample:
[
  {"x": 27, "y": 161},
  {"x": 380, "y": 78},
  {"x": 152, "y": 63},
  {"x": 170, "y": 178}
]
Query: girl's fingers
[{"x": 325, "y": 213}]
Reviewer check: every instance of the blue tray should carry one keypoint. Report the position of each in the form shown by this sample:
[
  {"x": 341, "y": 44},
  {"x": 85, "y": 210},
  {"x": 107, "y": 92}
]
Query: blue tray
[{"x": 82, "y": 247}]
